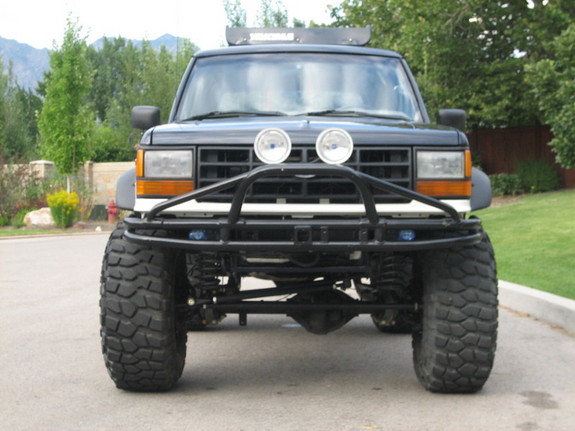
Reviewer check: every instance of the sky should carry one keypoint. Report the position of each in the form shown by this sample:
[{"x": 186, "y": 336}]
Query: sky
[{"x": 41, "y": 23}]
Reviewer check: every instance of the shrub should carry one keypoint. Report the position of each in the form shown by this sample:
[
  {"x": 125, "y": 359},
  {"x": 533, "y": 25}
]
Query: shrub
[
  {"x": 505, "y": 184},
  {"x": 13, "y": 179},
  {"x": 537, "y": 176},
  {"x": 18, "y": 220},
  {"x": 64, "y": 207},
  {"x": 20, "y": 191}
]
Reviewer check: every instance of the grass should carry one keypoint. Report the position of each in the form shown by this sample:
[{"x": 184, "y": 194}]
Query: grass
[
  {"x": 10, "y": 231},
  {"x": 534, "y": 241}
]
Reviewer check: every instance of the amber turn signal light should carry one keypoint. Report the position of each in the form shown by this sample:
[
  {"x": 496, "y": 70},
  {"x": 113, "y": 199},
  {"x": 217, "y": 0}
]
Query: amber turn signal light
[
  {"x": 444, "y": 188},
  {"x": 163, "y": 187}
]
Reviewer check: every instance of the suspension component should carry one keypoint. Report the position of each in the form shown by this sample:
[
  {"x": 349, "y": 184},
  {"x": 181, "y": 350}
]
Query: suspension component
[{"x": 203, "y": 271}]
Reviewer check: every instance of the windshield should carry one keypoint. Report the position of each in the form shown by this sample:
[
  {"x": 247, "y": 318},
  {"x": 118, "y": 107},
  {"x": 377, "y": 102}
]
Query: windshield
[{"x": 298, "y": 84}]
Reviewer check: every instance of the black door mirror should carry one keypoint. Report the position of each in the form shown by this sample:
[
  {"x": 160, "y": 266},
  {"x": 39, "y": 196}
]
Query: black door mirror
[
  {"x": 452, "y": 118},
  {"x": 145, "y": 117}
]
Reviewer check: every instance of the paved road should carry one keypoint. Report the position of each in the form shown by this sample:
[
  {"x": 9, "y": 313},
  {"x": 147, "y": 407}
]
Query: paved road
[{"x": 269, "y": 376}]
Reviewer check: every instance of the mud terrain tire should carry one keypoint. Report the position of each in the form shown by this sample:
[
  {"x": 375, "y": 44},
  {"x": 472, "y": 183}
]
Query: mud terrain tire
[
  {"x": 453, "y": 351},
  {"x": 144, "y": 345}
]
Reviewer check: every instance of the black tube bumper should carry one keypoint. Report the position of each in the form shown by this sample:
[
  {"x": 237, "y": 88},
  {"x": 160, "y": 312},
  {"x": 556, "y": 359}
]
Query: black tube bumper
[{"x": 234, "y": 233}]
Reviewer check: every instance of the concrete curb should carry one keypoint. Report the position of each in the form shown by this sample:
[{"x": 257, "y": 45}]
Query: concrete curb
[{"x": 544, "y": 306}]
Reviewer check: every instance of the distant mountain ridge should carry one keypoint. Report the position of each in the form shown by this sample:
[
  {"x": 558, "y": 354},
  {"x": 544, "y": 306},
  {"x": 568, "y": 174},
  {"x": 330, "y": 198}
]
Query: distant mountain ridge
[{"x": 29, "y": 63}]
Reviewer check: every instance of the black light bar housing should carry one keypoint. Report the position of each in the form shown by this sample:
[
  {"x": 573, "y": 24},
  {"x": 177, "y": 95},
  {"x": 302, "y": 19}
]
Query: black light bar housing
[{"x": 315, "y": 35}]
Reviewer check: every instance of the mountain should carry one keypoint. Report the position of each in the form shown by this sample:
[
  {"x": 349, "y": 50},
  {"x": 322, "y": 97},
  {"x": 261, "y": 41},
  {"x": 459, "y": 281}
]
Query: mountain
[
  {"x": 167, "y": 40},
  {"x": 29, "y": 63}
]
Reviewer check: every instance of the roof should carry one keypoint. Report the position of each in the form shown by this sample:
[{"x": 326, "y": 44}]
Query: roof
[{"x": 286, "y": 48}]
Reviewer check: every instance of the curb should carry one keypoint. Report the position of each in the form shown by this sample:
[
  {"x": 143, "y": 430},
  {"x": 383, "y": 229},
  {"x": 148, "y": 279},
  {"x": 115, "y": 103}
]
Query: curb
[{"x": 552, "y": 309}]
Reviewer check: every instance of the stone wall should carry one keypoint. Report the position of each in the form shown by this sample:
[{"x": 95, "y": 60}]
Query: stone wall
[{"x": 103, "y": 177}]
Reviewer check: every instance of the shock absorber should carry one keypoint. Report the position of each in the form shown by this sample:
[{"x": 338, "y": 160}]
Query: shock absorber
[{"x": 394, "y": 273}]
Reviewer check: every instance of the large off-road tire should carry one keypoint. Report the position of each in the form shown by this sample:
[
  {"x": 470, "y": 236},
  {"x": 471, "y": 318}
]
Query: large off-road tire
[
  {"x": 453, "y": 352},
  {"x": 143, "y": 341}
]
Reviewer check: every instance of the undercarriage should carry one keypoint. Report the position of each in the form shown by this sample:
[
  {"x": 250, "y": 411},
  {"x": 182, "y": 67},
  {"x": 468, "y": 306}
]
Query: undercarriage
[{"x": 321, "y": 292}]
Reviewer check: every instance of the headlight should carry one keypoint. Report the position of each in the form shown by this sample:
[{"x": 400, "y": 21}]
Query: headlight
[
  {"x": 440, "y": 164},
  {"x": 444, "y": 174},
  {"x": 164, "y": 173},
  {"x": 168, "y": 164},
  {"x": 272, "y": 146},
  {"x": 334, "y": 146}
]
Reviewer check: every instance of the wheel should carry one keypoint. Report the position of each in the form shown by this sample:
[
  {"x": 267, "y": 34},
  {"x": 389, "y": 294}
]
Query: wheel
[
  {"x": 454, "y": 349},
  {"x": 143, "y": 340}
]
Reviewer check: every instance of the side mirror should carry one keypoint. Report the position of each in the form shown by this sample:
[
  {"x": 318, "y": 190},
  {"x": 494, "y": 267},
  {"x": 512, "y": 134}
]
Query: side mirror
[
  {"x": 145, "y": 117},
  {"x": 452, "y": 118}
]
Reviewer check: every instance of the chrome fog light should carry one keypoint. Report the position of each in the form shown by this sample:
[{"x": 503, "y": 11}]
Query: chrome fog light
[
  {"x": 334, "y": 146},
  {"x": 272, "y": 146}
]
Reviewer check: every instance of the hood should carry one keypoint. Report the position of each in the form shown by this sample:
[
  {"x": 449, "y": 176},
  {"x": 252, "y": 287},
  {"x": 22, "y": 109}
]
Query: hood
[{"x": 305, "y": 130}]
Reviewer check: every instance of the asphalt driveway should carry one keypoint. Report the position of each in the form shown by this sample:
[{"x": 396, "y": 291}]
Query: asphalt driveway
[{"x": 270, "y": 375}]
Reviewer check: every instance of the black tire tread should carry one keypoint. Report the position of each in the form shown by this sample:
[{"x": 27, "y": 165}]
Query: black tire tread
[
  {"x": 142, "y": 347},
  {"x": 455, "y": 349}
]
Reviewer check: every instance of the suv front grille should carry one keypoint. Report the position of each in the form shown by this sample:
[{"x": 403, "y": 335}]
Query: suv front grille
[{"x": 219, "y": 163}]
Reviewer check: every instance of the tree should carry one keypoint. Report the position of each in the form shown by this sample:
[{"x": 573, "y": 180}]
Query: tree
[
  {"x": 66, "y": 120},
  {"x": 109, "y": 72},
  {"x": 235, "y": 13},
  {"x": 552, "y": 82},
  {"x": 3, "y": 93},
  {"x": 272, "y": 15},
  {"x": 130, "y": 75},
  {"x": 17, "y": 119}
]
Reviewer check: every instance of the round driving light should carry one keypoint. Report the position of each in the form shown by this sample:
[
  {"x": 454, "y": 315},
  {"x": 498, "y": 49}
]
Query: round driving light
[
  {"x": 272, "y": 146},
  {"x": 334, "y": 146}
]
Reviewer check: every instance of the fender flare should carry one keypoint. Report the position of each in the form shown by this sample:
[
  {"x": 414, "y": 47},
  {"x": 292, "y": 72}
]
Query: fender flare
[
  {"x": 125, "y": 190},
  {"x": 481, "y": 190}
]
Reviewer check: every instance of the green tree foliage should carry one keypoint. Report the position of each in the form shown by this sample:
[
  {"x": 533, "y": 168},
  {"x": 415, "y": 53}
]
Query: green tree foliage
[
  {"x": 127, "y": 75},
  {"x": 271, "y": 14},
  {"x": 552, "y": 82},
  {"x": 66, "y": 121},
  {"x": 18, "y": 128},
  {"x": 235, "y": 13}
]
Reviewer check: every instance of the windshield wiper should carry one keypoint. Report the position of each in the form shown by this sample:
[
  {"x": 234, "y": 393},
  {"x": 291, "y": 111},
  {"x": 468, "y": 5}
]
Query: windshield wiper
[
  {"x": 230, "y": 114},
  {"x": 356, "y": 113}
]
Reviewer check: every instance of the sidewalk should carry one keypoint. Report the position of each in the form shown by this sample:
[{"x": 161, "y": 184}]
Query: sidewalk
[{"x": 552, "y": 309}]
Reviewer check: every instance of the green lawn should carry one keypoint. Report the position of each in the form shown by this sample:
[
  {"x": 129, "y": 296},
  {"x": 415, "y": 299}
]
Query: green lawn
[
  {"x": 534, "y": 241},
  {"x": 9, "y": 231}
]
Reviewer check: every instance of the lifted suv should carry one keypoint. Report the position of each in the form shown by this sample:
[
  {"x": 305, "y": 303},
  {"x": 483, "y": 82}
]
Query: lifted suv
[{"x": 314, "y": 166}]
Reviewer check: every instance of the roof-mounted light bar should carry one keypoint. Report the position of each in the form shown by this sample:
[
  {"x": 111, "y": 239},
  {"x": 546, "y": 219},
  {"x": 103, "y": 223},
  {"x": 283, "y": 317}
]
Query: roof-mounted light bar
[{"x": 314, "y": 35}]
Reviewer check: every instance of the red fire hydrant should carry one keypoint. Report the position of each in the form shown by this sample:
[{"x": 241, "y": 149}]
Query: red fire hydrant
[{"x": 112, "y": 212}]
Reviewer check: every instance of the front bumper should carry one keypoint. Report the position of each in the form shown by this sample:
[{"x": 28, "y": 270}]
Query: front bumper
[{"x": 236, "y": 232}]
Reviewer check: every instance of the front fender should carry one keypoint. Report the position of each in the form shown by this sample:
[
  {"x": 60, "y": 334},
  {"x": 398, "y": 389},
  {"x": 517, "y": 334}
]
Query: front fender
[
  {"x": 481, "y": 194},
  {"x": 125, "y": 190}
]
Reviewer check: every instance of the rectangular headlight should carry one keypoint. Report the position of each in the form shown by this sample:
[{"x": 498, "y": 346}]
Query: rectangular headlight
[
  {"x": 441, "y": 164},
  {"x": 168, "y": 164}
]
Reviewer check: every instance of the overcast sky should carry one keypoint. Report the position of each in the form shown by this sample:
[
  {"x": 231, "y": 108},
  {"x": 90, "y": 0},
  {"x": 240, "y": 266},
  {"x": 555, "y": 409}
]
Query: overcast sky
[{"x": 40, "y": 23}]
